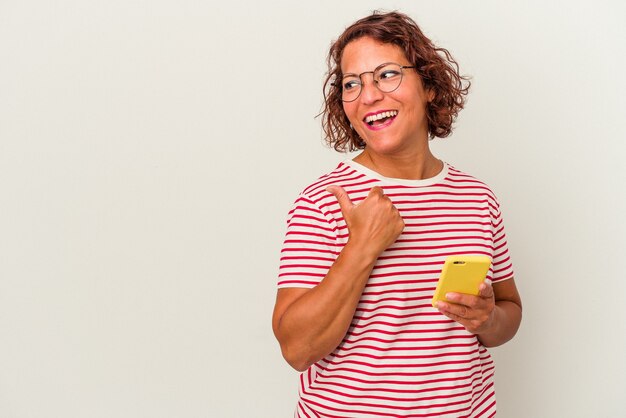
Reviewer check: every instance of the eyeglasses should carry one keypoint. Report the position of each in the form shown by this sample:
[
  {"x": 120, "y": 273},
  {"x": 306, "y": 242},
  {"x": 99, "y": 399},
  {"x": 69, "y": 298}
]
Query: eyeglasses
[{"x": 387, "y": 77}]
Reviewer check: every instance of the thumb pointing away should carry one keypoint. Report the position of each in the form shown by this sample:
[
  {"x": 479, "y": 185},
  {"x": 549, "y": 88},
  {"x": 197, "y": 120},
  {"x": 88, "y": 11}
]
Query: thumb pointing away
[{"x": 342, "y": 197}]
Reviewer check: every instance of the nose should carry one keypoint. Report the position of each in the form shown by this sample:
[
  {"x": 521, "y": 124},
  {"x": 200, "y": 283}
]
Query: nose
[{"x": 370, "y": 93}]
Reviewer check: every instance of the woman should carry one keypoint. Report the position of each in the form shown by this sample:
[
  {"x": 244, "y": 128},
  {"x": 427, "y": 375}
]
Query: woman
[{"x": 366, "y": 242}]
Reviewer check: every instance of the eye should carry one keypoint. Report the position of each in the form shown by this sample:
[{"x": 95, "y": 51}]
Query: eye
[
  {"x": 387, "y": 74},
  {"x": 350, "y": 84}
]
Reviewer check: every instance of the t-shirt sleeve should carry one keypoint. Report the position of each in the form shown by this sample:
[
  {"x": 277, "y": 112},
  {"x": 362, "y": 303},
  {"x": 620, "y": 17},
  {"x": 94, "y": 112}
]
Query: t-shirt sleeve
[
  {"x": 502, "y": 266},
  {"x": 310, "y": 246}
]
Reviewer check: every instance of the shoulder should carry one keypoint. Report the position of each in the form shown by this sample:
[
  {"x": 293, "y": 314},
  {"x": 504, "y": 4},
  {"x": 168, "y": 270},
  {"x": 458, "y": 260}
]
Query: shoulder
[
  {"x": 343, "y": 175},
  {"x": 462, "y": 181},
  {"x": 314, "y": 198}
]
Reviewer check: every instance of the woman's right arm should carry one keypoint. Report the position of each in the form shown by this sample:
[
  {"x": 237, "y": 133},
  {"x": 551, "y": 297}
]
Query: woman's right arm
[{"x": 310, "y": 323}]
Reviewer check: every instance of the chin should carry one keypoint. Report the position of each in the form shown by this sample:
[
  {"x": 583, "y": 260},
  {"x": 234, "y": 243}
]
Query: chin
[{"x": 385, "y": 147}]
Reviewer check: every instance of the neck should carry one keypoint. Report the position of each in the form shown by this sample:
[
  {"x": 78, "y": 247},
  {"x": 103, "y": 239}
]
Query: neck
[{"x": 418, "y": 165}]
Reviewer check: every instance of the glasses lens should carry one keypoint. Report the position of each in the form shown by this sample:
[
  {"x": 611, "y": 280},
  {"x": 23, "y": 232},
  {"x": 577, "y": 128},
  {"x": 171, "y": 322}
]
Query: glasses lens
[
  {"x": 350, "y": 87},
  {"x": 388, "y": 77}
]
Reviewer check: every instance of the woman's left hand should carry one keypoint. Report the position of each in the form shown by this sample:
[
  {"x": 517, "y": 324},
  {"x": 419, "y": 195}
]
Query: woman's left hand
[{"x": 475, "y": 313}]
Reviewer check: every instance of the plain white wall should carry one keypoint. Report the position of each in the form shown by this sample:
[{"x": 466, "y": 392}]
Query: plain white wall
[{"x": 150, "y": 150}]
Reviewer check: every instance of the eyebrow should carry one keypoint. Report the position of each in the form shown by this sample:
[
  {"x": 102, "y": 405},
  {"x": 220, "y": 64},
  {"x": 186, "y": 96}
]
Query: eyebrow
[{"x": 403, "y": 66}]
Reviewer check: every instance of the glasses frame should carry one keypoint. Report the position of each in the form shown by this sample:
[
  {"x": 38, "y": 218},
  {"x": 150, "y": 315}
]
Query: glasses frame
[{"x": 360, "y": 76}]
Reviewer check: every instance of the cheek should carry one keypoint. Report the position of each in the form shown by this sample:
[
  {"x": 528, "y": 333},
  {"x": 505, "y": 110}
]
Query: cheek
[{"x": 349, "y": 110}]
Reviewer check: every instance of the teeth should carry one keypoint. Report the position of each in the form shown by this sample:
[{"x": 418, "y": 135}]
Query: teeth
[{"x": 381, "y": 115}]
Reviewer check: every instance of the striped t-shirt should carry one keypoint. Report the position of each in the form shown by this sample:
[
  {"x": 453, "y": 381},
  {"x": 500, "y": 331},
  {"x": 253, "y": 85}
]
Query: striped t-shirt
[{"x": 400, "y": 356}]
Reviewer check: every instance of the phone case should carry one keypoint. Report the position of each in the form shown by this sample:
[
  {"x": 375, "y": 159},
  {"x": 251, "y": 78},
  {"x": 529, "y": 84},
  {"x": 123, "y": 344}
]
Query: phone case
[{"x": 461, "y": 274}]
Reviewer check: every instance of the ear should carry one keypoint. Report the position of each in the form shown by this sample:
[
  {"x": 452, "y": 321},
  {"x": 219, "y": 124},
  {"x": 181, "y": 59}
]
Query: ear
[{"x": 430, "y": 95}]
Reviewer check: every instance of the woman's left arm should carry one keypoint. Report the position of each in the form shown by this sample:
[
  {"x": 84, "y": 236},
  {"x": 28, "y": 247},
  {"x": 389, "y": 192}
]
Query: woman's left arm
[{"x": 494, "y": 315}]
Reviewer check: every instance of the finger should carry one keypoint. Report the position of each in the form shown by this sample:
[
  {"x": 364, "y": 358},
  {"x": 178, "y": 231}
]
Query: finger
[
  {"x": 462, "y": 299},
  {"x": 459, "y": 311},
  {"x": 485, "y": 289},
  {"x": 469, "y": 301},
  {"x": 376, "y": 191},
  {"x": 454, "y": 317},
  {"x": 342, "y": 197}
]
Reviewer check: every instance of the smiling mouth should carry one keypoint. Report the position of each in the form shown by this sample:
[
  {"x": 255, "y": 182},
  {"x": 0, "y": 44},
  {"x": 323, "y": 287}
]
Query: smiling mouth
[{"x": 380, "y": 118}]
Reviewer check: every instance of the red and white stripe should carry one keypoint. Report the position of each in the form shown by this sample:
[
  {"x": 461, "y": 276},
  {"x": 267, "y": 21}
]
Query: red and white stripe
[{"x": 400, "y": 357}]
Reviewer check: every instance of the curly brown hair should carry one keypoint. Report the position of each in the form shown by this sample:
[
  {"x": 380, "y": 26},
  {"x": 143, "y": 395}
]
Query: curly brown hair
[{"x": 438, "y": 70}]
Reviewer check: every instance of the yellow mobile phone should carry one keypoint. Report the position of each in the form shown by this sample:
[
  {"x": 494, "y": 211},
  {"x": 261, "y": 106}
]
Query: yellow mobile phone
[{"x": 461, "y": 274}]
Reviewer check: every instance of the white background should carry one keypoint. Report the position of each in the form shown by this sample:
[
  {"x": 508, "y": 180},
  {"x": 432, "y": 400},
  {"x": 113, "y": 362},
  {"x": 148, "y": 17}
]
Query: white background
[{"x": 150, "y": 151}]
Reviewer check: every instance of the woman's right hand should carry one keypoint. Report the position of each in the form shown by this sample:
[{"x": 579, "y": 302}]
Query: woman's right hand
[
  {"x": 374, "y": 224},
  {"x": 311, "y": 323}
]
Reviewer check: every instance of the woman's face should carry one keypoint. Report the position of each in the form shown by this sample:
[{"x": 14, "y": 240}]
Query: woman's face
[{"x": 406, "y": 129}]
